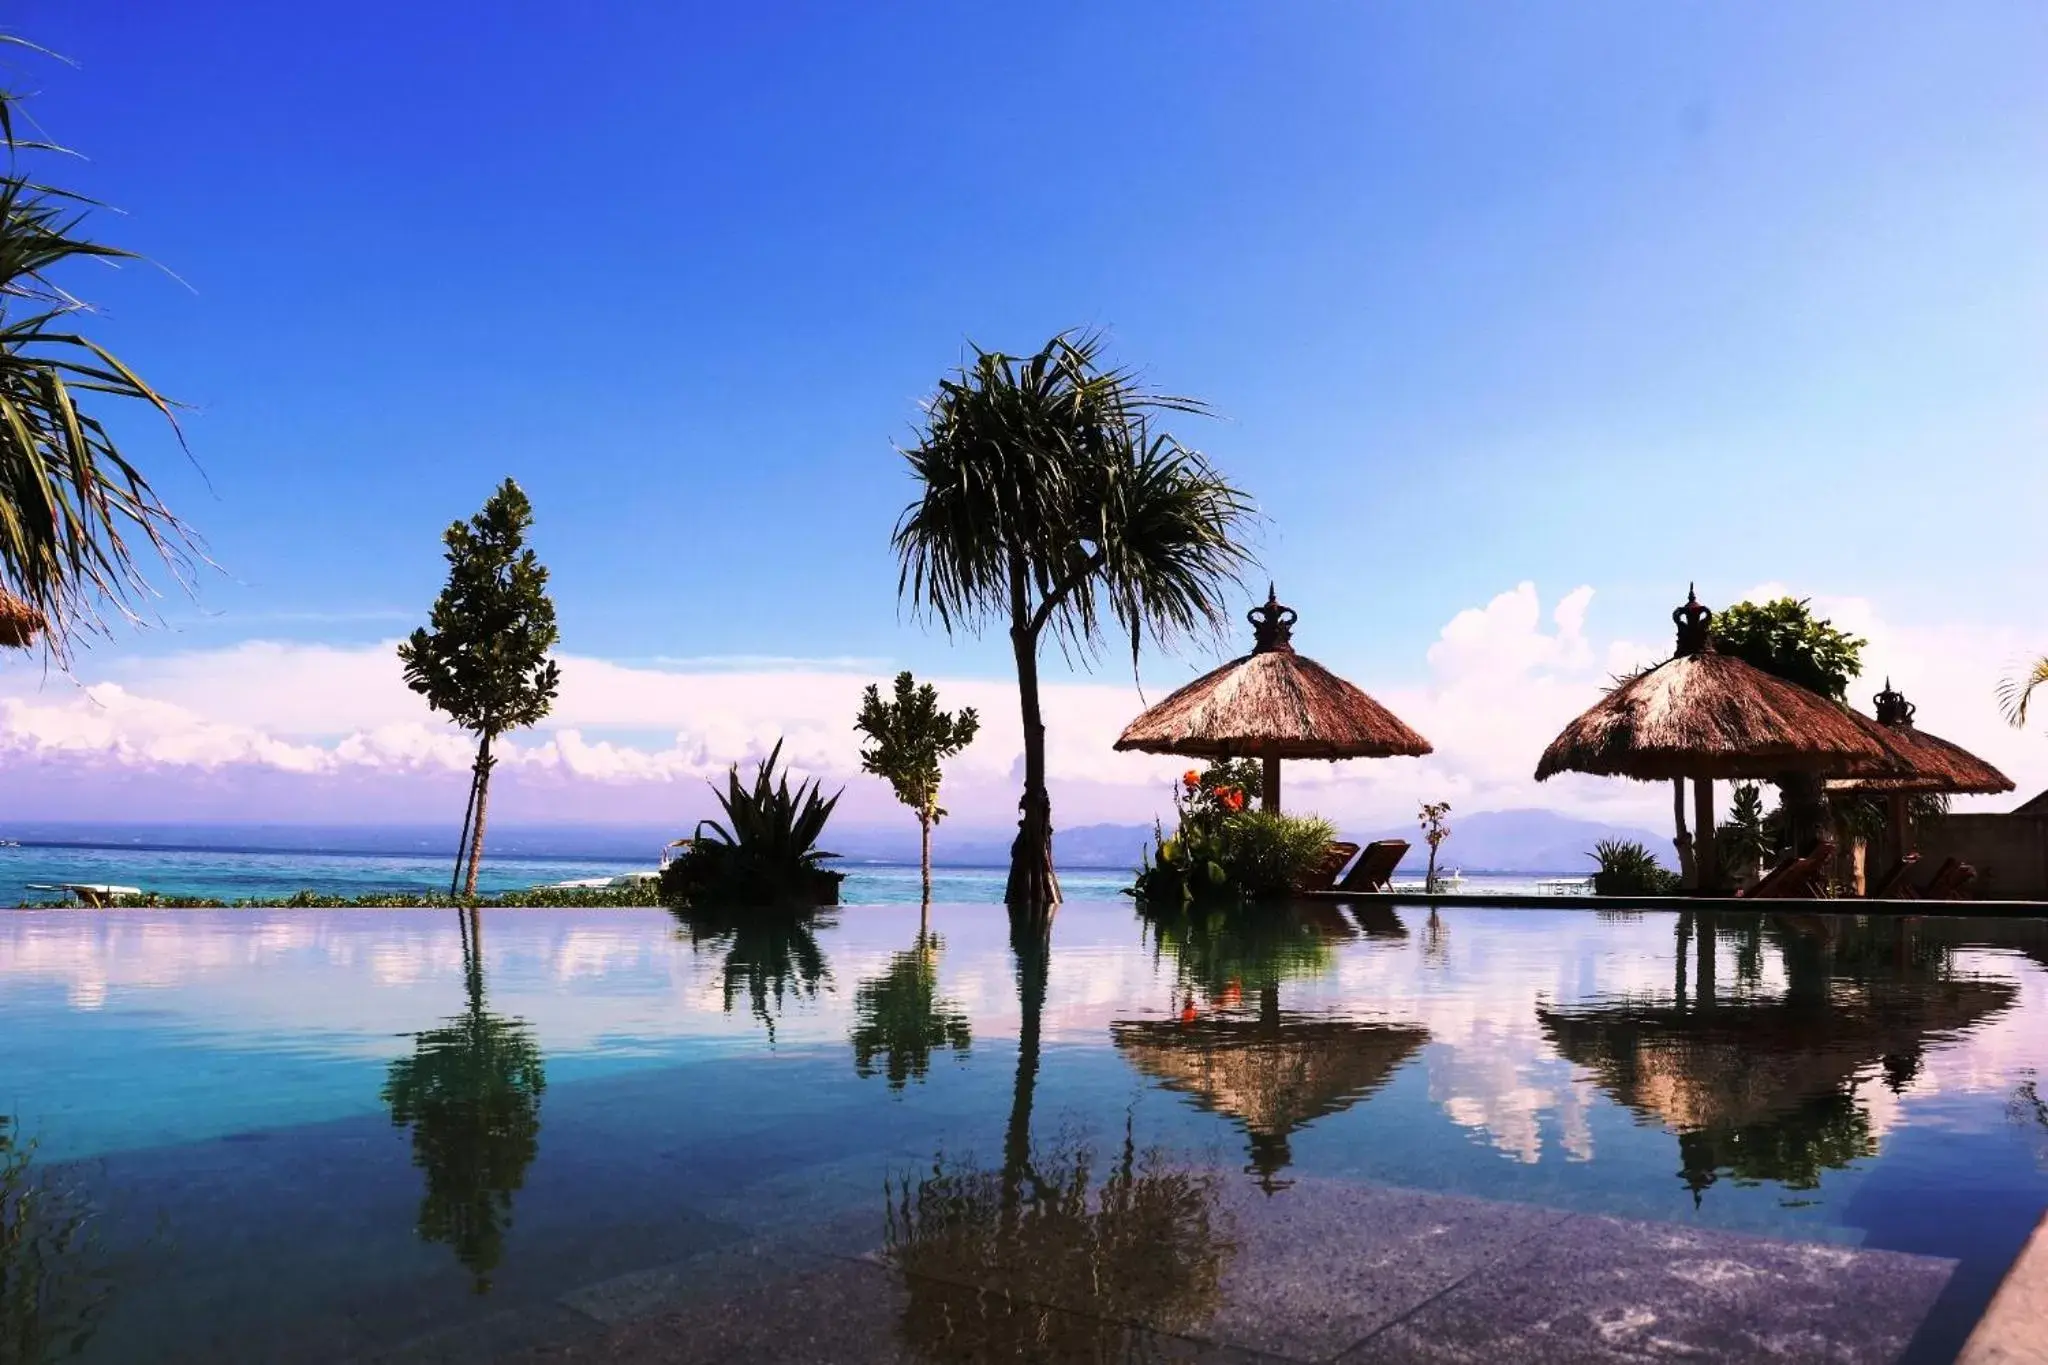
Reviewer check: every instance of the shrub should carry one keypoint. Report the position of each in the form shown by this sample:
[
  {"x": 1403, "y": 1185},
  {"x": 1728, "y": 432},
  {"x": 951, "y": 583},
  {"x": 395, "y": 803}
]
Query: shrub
[
  {"x": 1629, "y": 869},
  {"x": 1242, "y": 855},
  {"x": 766, "y": 853}
]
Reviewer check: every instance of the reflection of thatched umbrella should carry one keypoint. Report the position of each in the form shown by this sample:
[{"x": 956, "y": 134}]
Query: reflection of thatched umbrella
[
  {"x": 1766, "y": 1087},
  {"x": 1916, "y": 763},
  {"x": 1271, "y": 704},
  {"x": 1705, "y": 715},
  {"x": 20, "y": 623},
  {"x": 1272, "y": 1074}
]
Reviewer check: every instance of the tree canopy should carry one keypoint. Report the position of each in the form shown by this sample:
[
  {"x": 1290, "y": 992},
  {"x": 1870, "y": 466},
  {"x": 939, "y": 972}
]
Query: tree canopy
[
  {"x": 483, "y": 661},
  {"x": 1785, "y": 639},
  {"x": 909, "y": 737}
]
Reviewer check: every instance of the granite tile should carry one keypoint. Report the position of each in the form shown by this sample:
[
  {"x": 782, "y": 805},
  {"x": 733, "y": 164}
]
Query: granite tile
[
  {"x": 861, "y": 1313},
  {"x": 1601, "y": 1290}
]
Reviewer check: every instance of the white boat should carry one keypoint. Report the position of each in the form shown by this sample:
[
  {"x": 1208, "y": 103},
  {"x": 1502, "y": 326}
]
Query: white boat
[{"x": 91, "y": 894}]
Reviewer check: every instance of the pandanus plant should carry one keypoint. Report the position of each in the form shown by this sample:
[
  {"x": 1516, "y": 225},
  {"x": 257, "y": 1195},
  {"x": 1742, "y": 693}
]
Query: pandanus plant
[{"x": 765, "y": 852}]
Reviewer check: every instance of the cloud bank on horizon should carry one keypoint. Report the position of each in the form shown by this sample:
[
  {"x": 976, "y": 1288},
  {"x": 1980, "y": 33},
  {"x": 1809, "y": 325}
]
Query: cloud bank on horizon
[{"x": 264, "y": 731}]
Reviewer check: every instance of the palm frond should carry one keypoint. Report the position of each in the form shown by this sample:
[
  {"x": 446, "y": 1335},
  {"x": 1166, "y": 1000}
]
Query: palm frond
[{"x": 2017, "y": 691}]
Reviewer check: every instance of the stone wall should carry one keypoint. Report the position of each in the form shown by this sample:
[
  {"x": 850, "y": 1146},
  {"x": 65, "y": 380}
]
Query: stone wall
[{"x": 2010, "y": 853}]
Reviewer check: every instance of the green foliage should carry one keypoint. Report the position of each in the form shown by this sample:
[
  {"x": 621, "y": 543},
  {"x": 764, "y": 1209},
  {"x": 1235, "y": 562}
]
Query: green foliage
[
  {"x": 2017, "y": 691},
  {"x": 909, "y": 737},
  {"x": 765, "y": 853},
  {"x": 1231, "y": 857},
  {"x": 1228, "y": 952},
  {"x": 771, "y": 953},
  {"x": 1628, "y": 869},
  {"x": 1743, "y": 841},
  {"x": 1785, "y": 639},
  {"x": 470, "y": 1092},
  {"x": 483, "y": 661},
  {"x": 73, "y": 511},
  {"x": 54, "y": 1283},
  {"x": 901, "y": 1019}
]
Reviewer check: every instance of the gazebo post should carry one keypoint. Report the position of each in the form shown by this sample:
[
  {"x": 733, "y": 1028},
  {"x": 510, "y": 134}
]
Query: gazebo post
[
  {"x": 1269, "y": 786},
  {"x": 1703, "y": 834},
  {"x": 1901, "y": 828}
]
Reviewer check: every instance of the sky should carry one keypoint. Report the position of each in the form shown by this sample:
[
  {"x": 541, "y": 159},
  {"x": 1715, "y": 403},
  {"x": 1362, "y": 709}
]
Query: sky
[{"x": 1515, "y": 321}]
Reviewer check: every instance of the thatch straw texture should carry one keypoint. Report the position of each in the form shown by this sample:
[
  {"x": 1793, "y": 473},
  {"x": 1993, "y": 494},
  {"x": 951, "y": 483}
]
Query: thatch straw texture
[
  {"x": 20, "y": 623},
  {"x": 1274, "y": 704},
  {"x": 1272, "y": 1075},
  {"x": 1709, "y": 715},
  {"x": 1917, "y": 761}
]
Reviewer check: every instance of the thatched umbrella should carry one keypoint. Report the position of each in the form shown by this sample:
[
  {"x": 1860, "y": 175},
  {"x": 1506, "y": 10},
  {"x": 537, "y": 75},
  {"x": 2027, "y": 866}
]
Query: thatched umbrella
[
  {"x": 1273, "y": 1073},
  {"x": 20, "y": 623},
  {"x": 1703, "y": 715},
  {"x": 1917, "y": 764},
  {"x": 1271, "y": 704}
]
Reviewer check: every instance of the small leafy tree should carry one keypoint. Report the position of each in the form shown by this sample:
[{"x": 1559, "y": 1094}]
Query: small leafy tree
[
  {"x": 483, "y": 659},
  {"x": 1786, "y": 640},
  {"x": 1436, "y": 828},
  {"x": 908, "y": 738}
]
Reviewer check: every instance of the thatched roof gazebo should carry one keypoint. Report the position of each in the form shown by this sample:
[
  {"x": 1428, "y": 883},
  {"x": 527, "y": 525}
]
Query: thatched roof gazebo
[
  {"x": 1708, "y": 716},
  {"x": 1272, "y": 1074},
  {"x": 1272, "y": 704},
  {"x": 20, "y": 623},
  {"x": 1917, "y": 763}
]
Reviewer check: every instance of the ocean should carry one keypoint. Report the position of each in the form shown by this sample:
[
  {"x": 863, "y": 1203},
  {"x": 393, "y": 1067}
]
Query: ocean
[{"x": 253, "y": 864}]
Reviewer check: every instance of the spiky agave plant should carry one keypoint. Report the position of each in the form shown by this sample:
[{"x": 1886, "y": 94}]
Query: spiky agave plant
[{"x": 765, "y": 852}]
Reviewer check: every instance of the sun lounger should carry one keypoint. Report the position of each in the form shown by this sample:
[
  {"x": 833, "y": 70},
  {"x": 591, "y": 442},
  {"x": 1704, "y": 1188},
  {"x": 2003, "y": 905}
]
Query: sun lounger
[
  {"x": 1893, "y": 884},
  {"x": 1374, "y": 870},
  {"x": 1948, "y": 882},
  {"x": 1795, "y": 878},
  {"x": 1323, "y": 877}
]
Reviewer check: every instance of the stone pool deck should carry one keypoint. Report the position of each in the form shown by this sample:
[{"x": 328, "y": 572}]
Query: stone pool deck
[{"x": 1334, "y": 1272}]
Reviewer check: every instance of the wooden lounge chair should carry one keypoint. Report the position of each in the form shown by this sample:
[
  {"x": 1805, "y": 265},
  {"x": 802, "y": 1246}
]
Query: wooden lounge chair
[
  {"x": 1893, "y": 886},
  {"x": 1795, "y": 878},
  {"x": 1948, "y": 882},
  {"x": 1374, "y": 870},
  {"x": 1323, "y": 877}
]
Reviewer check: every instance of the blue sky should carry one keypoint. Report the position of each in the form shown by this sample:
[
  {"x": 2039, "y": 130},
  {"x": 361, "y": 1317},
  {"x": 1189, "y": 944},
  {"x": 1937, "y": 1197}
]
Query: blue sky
[{"x": 1603, "y": 294}]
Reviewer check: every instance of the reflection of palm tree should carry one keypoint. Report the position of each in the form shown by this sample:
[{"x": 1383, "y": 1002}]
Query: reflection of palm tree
[
  {"x": 471, "y": 1094},
  {"x": 1039, "y": 1261},
  {"x": 1765, "y": 1089},
  {"x": 901, "y": 1017},
  {"x": 770, "y": 953}
]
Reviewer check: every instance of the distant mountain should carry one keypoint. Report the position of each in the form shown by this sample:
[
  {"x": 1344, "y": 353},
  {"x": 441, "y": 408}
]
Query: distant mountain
[{"x": 1540, "y": 841}]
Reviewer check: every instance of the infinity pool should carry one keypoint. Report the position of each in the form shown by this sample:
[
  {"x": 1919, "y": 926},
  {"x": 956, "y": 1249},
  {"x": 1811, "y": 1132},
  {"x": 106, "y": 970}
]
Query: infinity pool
[{"x": 364, "y": 1135}]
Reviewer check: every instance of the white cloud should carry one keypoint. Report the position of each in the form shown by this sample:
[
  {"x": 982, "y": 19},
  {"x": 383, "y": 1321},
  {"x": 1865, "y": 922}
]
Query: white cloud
[{"x": 1501, "y": 680}]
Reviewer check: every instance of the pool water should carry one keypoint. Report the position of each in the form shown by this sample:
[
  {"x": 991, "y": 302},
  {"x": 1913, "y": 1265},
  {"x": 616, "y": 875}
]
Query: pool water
[{"x": 315, "y": 1135}]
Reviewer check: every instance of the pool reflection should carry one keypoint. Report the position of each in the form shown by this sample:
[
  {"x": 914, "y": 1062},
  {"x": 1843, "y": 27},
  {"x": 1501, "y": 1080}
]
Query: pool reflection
[
  {"x": 1771, "y": 1087},
  {"x": 772, "y": 956},
  {"x": 900, "y": 1019},
  {"x": 470, "y": 1092}
]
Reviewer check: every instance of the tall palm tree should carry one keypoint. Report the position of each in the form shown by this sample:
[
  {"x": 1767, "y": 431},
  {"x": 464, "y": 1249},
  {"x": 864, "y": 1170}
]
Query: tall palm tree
[
  {"x": 1049, "y": 505},
  {"x": 2015, "y": 692},
  {"x": 73, "y": 511}
]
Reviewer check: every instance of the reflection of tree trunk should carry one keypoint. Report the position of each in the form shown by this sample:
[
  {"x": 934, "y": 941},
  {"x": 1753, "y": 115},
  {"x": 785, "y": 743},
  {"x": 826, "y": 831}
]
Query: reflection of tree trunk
[
  {"x": 473, "y": 956},
  {"x": 1031, "y": 944},
  {"x": 1709, "y": 947},
  {"x": 1269, "y": 1005},
  {"x": 483, "y": 801},
  {"x": 1684, "y": 953},
  {"x": 924, "y": 917}
]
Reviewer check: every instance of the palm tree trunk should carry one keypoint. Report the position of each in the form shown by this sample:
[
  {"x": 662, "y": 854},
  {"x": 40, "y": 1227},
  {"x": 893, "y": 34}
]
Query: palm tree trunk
[
  {"x": 483, "y": 801},
  {"x": 1033, "y": 885}
]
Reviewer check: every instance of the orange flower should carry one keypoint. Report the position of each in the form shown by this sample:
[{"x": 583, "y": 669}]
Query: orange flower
[
  {"x": 1231, "y": 797},
  {"x": 1191, "y": 779}
]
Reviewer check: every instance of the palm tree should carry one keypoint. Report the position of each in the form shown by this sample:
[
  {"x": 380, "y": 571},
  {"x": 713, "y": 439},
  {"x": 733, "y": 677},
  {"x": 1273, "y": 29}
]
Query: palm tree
[
  {"x": 1049, "y": 504},
  {"x": 73, "y": 510},
  {"x": 2015, "y": 692}
]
